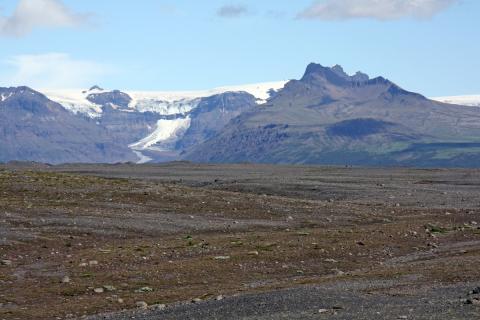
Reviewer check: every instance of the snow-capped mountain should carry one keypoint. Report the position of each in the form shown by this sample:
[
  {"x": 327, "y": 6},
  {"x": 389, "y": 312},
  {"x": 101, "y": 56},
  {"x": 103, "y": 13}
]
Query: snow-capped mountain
[
  {"x": 161, "y": 102},
  {"x": 169, "y": 113},
  {"x": 326, "y": 117},
  {"x": 470, "y": 100}
]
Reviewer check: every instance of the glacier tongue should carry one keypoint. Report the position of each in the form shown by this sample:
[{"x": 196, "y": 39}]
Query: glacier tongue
[
  {"x": 165, "y": 134},
  {"x": 142, "y": 158}
]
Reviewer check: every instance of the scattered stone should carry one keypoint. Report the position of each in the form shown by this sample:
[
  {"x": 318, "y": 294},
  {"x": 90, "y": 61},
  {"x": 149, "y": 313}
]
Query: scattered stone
[
  {"x": 196, "y": 300},
  {"x": 99, "y": 290},
  {"x": 222, "y": 258},
  {"x": 66, "y": 279},
  {"x": 144, "y": 290},
  {"x": 93, "y": 263},
  {"x": 120, "y": 300},
  {"x": 303, "y": 233},
  {"x": 338, "y": 272},
  {"x": 219, "y": 298},
  {"x": 253, "y": 253},
  {"x": 331, "y": 260},
  {"x": 159, "y": 307},
  {"x": 473, "y": 301},
  {"x": 6, "y": 262},
  {"x": 109, "y": 288},
  {"x": 141, "y": 305},
  {"x": 475, "y": 291},
  {"x": 83, "y": 265},
  {"x": 323, "y": 311}
]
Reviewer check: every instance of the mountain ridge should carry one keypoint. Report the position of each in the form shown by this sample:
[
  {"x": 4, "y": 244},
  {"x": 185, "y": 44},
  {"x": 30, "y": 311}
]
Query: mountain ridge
[
  {"x": 295, "y": 126},
  {"x": 325, "y": 117}
]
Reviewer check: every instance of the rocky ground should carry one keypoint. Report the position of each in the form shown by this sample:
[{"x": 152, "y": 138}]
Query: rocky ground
[{"x": 184, "y": 241}]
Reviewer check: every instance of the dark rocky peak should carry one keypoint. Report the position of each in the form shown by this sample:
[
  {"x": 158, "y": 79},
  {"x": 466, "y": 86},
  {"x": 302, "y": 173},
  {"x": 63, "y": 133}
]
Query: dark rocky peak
[
  {"x": 357, "y": 77},
  {"x": 95, "y": 87},
  {"x": 360, "y": 77},
  {"x": 338, "y": 69},
  {"x": 316, "y": 72},
  {"x": 334, "y": 75},
  {"x": 395, "y": 91},
  {"x": 379, "y": 81},
  {"x": 114, "y": 97},
  {"x": 21, "y": 93},
  {"x": 24, "y": 99},
  {"x": 20, "y": 90}
]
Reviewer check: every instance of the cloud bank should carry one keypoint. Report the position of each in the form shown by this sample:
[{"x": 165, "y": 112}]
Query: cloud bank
[
  {"x": 31, "y": 14},
  {"x": 232, "y": 11},
  {"x": 375, "y": 9},
  {"x": 53, "y": 70}
]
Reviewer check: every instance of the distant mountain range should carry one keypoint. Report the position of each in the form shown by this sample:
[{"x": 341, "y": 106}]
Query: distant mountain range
[{"x": 326, "y": 117}]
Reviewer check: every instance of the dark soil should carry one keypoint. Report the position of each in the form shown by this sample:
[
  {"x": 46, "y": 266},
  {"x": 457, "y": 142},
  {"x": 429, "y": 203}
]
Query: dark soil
[{"x": 401, "y": 242}]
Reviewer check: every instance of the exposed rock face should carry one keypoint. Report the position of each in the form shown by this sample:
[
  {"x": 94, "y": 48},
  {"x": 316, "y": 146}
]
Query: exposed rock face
[
  {"x": 212, "y": 115},
  {"x": 112, "y": 98}
]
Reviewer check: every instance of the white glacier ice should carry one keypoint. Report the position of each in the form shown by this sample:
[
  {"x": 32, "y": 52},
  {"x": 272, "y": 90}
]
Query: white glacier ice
[
  {"x": 161, "y": 102},
  {"x": 166, "y": 133},
  {"x": 470, "y": 100}
]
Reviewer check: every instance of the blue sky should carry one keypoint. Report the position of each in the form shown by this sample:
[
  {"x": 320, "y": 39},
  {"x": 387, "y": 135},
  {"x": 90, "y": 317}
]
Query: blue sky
[{"x": 192, "y": 44}]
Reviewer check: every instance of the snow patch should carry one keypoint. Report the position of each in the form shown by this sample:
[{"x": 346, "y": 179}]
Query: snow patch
[
  {"x": 470, "y": 100},
  {"x": 76, "y": 101},
  {"x": 260, "y": 91},
  {"x": 4, "y": 97}
]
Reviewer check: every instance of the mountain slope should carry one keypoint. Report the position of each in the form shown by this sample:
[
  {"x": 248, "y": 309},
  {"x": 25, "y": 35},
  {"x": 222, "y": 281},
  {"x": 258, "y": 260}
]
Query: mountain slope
[
  {"x": 34, "y": 128},
  {"x": 328, "y": 117}
]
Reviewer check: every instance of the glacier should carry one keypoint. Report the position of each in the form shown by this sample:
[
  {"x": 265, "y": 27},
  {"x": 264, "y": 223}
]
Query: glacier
[
  {"x": 165, "y": 134},
  {"x": 165, "y": 103},
  {"x": 468, "y": 100},
  {"x": 160, "y": 102}
]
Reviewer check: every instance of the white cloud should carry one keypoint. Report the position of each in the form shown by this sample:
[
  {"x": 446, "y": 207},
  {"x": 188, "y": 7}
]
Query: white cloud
[
  {"x": 53, "y": 70},
  {"x": 375, "y": 9},
  {"x": 31, "y": 14}
]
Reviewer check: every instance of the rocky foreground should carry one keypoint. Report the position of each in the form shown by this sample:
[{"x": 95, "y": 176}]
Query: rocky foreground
[{"x": 184, "y": 241}]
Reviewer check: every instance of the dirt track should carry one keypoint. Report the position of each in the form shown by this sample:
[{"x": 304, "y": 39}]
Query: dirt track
[{"x": 176, "y": 232}]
